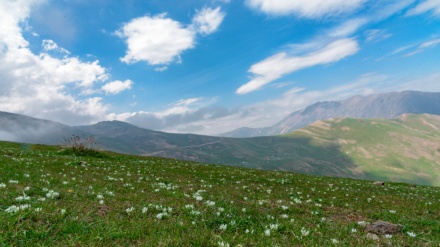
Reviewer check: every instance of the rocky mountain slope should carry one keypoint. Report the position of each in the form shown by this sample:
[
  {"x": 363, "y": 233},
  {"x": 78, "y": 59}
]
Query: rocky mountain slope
[{"x": 387, "y": 105}]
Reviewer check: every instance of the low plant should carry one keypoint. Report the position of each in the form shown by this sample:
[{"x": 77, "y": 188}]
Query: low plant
[{"x": 82, "y": 145}]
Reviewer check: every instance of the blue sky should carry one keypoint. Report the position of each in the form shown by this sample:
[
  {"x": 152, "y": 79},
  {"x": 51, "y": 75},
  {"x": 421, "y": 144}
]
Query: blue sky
[{"x": 209, "y": 66}]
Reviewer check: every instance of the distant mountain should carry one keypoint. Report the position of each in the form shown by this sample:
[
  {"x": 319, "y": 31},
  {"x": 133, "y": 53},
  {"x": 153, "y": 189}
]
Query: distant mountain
[
  {"x": 405, "y": 149},
  {"x": 20, "y": 128},
  {"x": 387, "y": 105}
]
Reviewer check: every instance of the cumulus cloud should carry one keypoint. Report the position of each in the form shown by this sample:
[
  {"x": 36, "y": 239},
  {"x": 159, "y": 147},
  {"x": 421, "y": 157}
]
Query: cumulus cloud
[
  {"x": 116, "y": 87},
  {"x": 282, "y": 63},
  {"x": 155, "y": 39},
  {"x": 426, "y": 6},
  {"x": 42, "y": 85},
  {"x": 159, "y": 40},
  {"x": 307, "y": 9},
  {"x": 207, "y": 20}
]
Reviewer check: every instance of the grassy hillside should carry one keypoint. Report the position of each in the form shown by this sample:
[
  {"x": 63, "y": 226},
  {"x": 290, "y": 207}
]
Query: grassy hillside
[
  {"x": 51, "y": 199},
  {"x": 400, "y": 150},
  {"x": 405, "y": 149}
]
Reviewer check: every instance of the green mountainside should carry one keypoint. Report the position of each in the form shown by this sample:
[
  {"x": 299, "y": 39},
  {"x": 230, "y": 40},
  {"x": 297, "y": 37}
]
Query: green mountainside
[{"x": 402, "y": 149}]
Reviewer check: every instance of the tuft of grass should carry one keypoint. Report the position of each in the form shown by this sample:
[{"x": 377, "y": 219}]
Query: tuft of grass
[
  {"x": 47, "y": 199},
  {"x": 83, "y": 152},
  {"x": 82, "y": 146}
]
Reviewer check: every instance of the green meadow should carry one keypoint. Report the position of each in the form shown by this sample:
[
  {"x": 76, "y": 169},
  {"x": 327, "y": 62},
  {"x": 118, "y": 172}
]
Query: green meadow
[{"x": 50, "y": 197}]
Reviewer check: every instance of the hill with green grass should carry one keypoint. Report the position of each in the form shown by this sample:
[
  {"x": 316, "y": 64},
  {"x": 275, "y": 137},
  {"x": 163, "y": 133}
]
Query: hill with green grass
[
  {"x": 406, "y": 149},
  {"x": 402, "y": 149},
  {"x": 50, "y": 197}
]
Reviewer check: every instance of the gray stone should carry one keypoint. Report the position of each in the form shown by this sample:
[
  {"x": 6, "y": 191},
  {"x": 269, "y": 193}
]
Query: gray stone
[
  {"x": 380, "y": 183},
  {"x": 382, "y": 227},
  {"x": 372, "y": 236}
]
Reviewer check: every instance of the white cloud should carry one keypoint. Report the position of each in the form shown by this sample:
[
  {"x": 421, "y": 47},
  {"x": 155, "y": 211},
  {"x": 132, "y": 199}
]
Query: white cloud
[
  {"x": 178, "y": 117},
  {"x": 50, "y": 45},
  {"x": 281, "y": 64},
  {"x": 348, "y": 28},
  {"x": 41, "y": 85},
  {"x": 197, "y": 115},
  {"x": 422, "y": 47},
  {"x": 308, "y": 9},
  {"x": 207, "y": 20},
  {"x": 160, "y": 69},
  {"x": 426, "y": 6},
  {"x": 430, "y": 43},
  {"x": 116, "y": 87},
  {"x": 159, "y": 40},
  {"x": 376, "y": 35},
  {"x": 156, "y": 40}
]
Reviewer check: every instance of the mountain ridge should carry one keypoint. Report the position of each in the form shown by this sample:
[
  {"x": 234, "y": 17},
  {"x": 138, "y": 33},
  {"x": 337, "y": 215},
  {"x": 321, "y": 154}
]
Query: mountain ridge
[
  {"x": 385, "y": 105},
  {"x": 320, "y": 148}
]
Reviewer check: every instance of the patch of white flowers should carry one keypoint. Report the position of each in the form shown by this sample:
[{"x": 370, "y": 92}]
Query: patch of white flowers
[{"x": 52, "y": 194}]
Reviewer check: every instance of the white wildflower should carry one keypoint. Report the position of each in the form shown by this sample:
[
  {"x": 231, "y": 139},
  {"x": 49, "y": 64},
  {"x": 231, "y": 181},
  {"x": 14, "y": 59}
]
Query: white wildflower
[
  {"x": 267, "y": 232},
  {"x": 362, "y": 223},
  {"x": 223, "y": 244},
  {"x": 52, "y": 194},
  {"x": 159, "y": 216},
  {"x": 129, "y": 210},
  {"x": 12, "y": 209},
  {"x": 273, "y": 226},
  {"x": 304, "y": 232}
]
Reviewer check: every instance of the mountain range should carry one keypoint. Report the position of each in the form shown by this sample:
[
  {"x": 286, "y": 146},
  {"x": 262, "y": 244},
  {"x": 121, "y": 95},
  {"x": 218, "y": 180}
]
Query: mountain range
[
  {"x": 386, "y": 105},
  {"x": 405, "y": 149}
]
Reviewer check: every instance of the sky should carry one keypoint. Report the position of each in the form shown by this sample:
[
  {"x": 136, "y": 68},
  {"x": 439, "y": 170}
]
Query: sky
[{"x": 209, "y": 66}]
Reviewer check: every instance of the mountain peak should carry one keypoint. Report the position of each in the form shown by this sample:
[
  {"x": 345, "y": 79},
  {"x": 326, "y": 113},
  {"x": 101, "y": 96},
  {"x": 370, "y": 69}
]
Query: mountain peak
[{"x": 385, "y": 105}]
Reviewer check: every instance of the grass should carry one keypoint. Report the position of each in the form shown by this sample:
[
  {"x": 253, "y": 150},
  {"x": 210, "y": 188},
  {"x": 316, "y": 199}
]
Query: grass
[
  {"x": 48, "y": 198},
  {"x": 400, "y": 150}
]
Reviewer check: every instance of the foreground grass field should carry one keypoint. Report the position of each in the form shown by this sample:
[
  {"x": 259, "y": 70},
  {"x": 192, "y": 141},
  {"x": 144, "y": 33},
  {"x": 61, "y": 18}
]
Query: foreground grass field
[{"x": 52, "y": 199}]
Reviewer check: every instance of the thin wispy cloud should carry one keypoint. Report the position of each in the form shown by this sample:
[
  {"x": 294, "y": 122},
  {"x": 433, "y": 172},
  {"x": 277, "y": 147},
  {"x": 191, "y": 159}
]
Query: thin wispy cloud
[
  {"x": 281, "y": 64},
  {"x": 430, "y": 6},
  {"x": 307, "y": 9}
]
